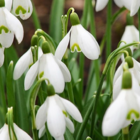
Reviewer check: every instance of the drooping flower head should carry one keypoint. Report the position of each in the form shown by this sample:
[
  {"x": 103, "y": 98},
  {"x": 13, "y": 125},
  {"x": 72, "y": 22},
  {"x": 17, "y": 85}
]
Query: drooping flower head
[
  {"x": 55, "y": 112},
  {"x": 22, "y": 8},
  {"x": 80, "y": 40},
  {"x": 9, "y": 26},
  {"x": 124, "y": 109}
]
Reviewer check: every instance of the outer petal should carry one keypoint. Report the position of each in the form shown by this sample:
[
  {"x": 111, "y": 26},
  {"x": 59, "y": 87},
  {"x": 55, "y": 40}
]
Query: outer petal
[
  {"x": 1, "y": 56},
  {"x": 127, "y": 3},
  {"x": 42, "y": 131},
  {"x": 100, "y": 5},
  {"x": 22, "y": 64},
  {"x": 64, "y": 70},
  {"x": 55, "y": 119},
  {"x": 4, "y": 134},
  {"x": 87, "y": 43},
  {"x": 14, "y": 25},
  {"x": 8, "y": 4},
  {"x": 119, "y": 3},
  {"x": 41, "y": 115},
  {"x": 115, "y": 115},
  {"x": 21, "y": 135},
  {"x": 62, "y": 46},
  {"x": 60, "y": 138},
  {"x": 136, "y": 64},
  {"x": 52, "y": 72},
  {"x": 72, "y": 110},
  {"x": 135, "y": 5},
  {"x": 69, "y": 125},
  {"x": 31, "y": 75}
]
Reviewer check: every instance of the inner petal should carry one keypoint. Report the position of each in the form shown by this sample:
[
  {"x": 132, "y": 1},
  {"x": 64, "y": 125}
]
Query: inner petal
[{"x": 76, "y": 47}]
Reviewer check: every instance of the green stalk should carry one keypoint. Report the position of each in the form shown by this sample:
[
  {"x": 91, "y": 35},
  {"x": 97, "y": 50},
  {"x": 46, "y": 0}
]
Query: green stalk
[
  {"x": 125, "y": 133},
  {"x": 35, "y": 18},
  {"x": 82, "y": 58},
  {"x": 108, "y": 30}
]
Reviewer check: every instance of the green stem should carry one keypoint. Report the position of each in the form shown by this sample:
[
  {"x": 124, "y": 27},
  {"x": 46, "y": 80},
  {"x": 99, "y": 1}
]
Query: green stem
[
  {"x": 35, "y": 18},
  {"x": 108, "y": 31},
  {"x": 125, "y": 133}
]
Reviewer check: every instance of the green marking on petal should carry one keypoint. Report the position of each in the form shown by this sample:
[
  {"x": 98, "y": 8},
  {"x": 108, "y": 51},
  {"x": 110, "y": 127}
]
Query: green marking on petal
[
  {"x": 76, "y": 47},
  {"x": 65, "y": 113},
  {"x": 132, "y": 112},
  {"x": 3, "y": 28},
  {"x": 41, "y": 74},
  {"x": 29, "y": 10},
  {"x": 0, "y": 45},
  {"x": 20, "y": 8}
]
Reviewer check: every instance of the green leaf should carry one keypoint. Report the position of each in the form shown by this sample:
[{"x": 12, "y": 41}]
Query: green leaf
[
  {"x": 55, "y": 20},
  {"x": 68, "y": 135}
]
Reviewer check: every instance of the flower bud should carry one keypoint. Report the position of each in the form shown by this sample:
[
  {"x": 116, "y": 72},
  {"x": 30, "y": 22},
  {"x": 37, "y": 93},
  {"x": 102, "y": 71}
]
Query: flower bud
[
  {"x": 74, "y": 19},
  {"x": 45, "y": 47},
  {"x": 126, "y": 80},
  {"x": 129, "y": 52},
  {"x": 129, "y": 61},
  {"x": 34, "y": 40},
  {"x": 2, "y": 3}
]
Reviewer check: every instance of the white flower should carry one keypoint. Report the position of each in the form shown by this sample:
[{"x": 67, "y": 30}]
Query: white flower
[
  {"x": 121, "y": 112},
  {"x": 21, "y": 135},
  {"x": 117, "y": 81},
  {"x": 22, "y": 8},
  {"x": 55, "y": 112},
  {"x": 100, "y": 5},
  {"x": 24, "y": 62},
  {"x": 131, "y": 34},
  {"x": 9, "y": 26},
  {"x": 80, "y": 40},
  {"x": 48, "y": 66}
]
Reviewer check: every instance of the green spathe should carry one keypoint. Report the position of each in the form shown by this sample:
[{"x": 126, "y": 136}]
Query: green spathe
[
  {"x": 129, "y": 61},
  {"x": 2, "y": 3},
  {"x": 45, "y": 47},
  {"x": 74, "y": 19},
  {"x": 126, "y": 80}
]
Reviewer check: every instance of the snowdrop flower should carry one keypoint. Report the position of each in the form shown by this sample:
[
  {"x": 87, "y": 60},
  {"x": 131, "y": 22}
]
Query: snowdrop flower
[
  {"x": 9, "y": 26},
  {"x": 100, "y": 5},
  {"x": 135, "y": 72},
  {"x": 48, "y": 66},
  {"x": 24, "y": 63},
  {"x": 124, "y": 109},
  {"x": 131, "y": 34},
  {"x": 55, "y": 112},
  {"x": 22, "y": 8},
  {"x": 21, "y": 135},
  {"x": 80, "y": 40}
]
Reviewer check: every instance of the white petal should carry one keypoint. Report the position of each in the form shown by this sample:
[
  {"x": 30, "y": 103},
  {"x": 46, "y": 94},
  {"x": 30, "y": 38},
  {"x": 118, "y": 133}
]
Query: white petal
[
  {"x": 8, "y": 4},
  {"x": 40, "y": 53},
  {"x": 52, "y": 72},
  {"x": 4, "y": 134},
  {"x": 69, "y": 124},
  {"x": 119, "y": 3},
  {"x": 31, "y": 75},
  {"x": 41, "y": 115},
  {"x": 136, "y": 64},
  {"x": 72, "y": 110},
  {"x": 64, "y": 70},
  {"x": 14, "y": 25},
  {"x": 117, "y": 87},
  {"x": 1, "y": 56},
  {"x": 23, "y": 63},
  {"x": 60, "y": 138},
  {"x": 55, "y": 119},
  {"x": 62, "y": 46},
  {"x": 21, "y": 135},
  {"x": 127, "y": 3},
  {"x": 134, "y": 7},
  {"x": 100, "y": 5},
  {"x": 87, "y": 43},
  {"x": 42, "y": 131},
  {"x": 115, "y": 115},
  {"x": 6, "y": 39}
]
